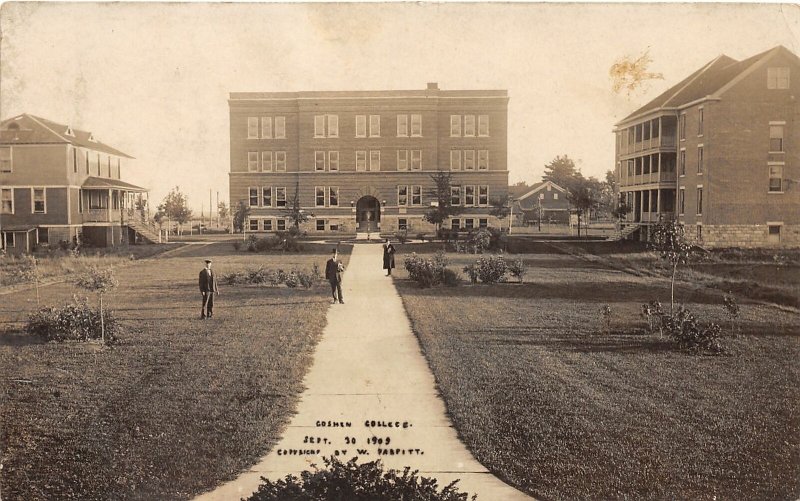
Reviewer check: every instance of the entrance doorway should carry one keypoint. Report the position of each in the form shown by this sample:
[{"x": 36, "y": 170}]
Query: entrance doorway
[{"x": 368, "y": 213}]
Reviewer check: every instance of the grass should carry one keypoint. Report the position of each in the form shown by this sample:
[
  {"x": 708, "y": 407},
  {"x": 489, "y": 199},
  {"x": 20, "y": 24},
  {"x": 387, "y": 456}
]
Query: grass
[
  {"x": 178, "y": 406},
  {"x": 552, "y": 404}
]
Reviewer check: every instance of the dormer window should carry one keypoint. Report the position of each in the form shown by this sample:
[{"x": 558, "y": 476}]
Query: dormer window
[
  {"x": 91, "y": 138},
  {"x": 69, "y": 132}
]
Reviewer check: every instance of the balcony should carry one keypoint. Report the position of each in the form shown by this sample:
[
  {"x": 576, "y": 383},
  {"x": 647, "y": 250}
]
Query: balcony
[
  {"x": 651, "y": 178},
  {"x": 102, "y": 216}
]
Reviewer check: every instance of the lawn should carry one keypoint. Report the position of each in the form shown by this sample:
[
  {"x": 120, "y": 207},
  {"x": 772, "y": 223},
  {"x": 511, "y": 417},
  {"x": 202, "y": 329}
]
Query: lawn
[
  {"x": 562, "y": 410},
  {"x": 179, "y": 405}
]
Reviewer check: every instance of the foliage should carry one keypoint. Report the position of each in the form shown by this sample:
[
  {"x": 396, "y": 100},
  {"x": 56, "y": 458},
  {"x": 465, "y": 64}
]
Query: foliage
[
  {"x": 402, "y": 236},
  {"x": 425, "y": 271},
  {"x": 653, "y": 313},
  {"x": 289, "y": 240},
  {"x": 669, "y": 241},
  {"x": 605, "y": 318},
  {"x": 692, "y": 336},
  {"x": 222, "y": 211},
  {"x": 237, "y": 245},
  {"x": 517, "y": 269},
  {"x": 584, "y": 195},
  {"x": 732, "y": 310},
  {"x": 294, "y": 211},
  {"x": 356, "y": 482},
  {"x": 443, "y": 209},
  {"x": 75, "y": 321},
  {"x": 450, "y": 277},
  {"x": 491, "y": 269},
  {"x": 622, "y": 208},
  {"x": 273, "y": 278},
  {"x": 561, "y": 171},
  {"x": 175, "y": 207},
  {"x": 240, "y": 215},
  {"x": 101, "y": 281},
  {"x": 499, "y": 207},
  {"x": 479, "y": 241},
  {"x": 472, "y": 272}
]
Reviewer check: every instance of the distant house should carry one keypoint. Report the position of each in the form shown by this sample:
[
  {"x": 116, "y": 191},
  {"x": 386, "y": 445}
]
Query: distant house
[
  {"x": 60, "y": 184},
  {"x": 547, "y": 195},
  {"x": 720, "y": 153}
]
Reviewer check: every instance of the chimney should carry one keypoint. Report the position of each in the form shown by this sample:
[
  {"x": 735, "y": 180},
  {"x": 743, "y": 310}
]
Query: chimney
[{"x": 433, "y": 86}]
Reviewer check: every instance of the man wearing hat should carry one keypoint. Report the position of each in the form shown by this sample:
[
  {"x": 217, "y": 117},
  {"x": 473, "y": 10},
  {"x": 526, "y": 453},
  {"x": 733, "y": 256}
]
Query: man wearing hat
[{"x": 208, "y": 287}]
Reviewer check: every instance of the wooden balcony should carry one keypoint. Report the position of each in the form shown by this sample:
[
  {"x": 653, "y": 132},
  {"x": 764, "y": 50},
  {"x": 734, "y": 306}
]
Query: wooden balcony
[
  {"x": 668, "y": 178},
  {"x": 102, "y": 216}
]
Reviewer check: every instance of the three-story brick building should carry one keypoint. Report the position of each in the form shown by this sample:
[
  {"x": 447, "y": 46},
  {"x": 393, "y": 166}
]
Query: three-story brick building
[
  {"x": 364, "y": 160},
  {"x": 719, "y": 151}
]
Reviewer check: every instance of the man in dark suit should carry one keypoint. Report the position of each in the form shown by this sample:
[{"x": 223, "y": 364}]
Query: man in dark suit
[
  {"x": 333, "y": 272},
  {"x": 208, "y": 287}
]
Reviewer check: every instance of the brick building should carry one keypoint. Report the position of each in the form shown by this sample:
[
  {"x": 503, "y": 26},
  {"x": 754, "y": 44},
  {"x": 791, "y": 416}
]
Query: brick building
[
  {"x": 58, "y": 184},
  {"x": 545, "y": 198},
  {"x": 719, "y": 151},
  {"x": 364, "y": 160}
]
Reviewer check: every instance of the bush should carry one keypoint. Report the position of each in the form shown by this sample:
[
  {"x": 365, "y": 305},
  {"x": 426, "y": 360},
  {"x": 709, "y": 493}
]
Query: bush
[
  {"x": 265, "y": 243},
  {"x": 479, "y": 241},
  {"x": 76, "y": 321},
  {"x": 426, "y": 272},
  {"x": 654, "y": 315},
  {"x": 450, "y": 277},
  {"x": 472, "y": 272},
  {"x": 492, "y": 269},
  {"x": 356, "y": 482},
  {"x": 288, "y": 240},
  {"x": 292, "y": 280},
  {"x": 690, "y": 335},
  {"x": 401, "y": 236},
  {"x": 237, "y": 245},
  {"x": 517, "y": 269},
  {"x": 251, "y": 243}
]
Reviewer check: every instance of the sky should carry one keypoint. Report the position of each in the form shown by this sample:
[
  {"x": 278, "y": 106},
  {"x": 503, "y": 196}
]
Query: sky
[{"x": 153, "y": 79}]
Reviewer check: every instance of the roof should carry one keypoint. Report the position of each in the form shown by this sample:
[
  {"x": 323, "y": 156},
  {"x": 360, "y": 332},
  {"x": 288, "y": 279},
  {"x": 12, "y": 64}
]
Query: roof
[
  {"x": 708, "y": 81},
  {"x": 537, "y": 188},
  {"x": 104, "y": 183},
  {"x": 29, "y": 129},
  {"x": 432, "y": 91}
]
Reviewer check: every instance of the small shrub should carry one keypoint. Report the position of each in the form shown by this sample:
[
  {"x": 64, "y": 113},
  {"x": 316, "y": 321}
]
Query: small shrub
[
  {"x": 733, "y": 311},
  {"x": 517, "y": 269},
  {"x": 292, "y": 280},
  {"x": 605, "y": 318},
  {"x": 426, "y": 272},
  {"x": 472, "y": 272},
  {"x": 307, "y": 280},
  {"x": 251, "y": 243},
  {"x": 479, "y": 241},
  {"x": 401, "y": 236},
  {"x": 75, "y": 321},
  {"x": 357, "y": 482},
  {"x": 315, "y": 271},
  {"x": 653, "y": 313},
  {"x": 492, "y": 269},
  {"x": 265, "y": 243},
  {"x": 237, "y": 246},
  {"x": 450, "y": 277},
  {"x": 690, "y": 335}
]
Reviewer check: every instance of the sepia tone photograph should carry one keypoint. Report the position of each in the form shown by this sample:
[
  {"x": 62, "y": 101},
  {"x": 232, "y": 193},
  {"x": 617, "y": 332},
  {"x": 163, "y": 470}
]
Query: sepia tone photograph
[{"x": 399, "y": 251}]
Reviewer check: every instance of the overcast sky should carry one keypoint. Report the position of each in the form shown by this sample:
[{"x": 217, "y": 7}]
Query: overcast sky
[{"x": 153, "y": 79}]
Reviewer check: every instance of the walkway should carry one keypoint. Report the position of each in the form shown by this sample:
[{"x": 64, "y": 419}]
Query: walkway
[{"x": 371, "y": 386}]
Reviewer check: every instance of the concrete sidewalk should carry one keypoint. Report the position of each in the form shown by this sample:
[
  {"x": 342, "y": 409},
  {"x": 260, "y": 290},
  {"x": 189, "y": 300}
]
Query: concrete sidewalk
[{"x": 370, "y": 393}]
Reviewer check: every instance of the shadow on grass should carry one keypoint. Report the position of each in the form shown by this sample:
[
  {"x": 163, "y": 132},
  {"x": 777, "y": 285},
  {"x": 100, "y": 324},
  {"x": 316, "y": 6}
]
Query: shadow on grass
[{"x": 17, "y": 338}]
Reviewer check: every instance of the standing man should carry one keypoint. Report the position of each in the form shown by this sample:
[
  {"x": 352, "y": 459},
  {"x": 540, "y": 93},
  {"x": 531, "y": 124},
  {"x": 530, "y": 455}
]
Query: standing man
[
  {"x": 388, "y": 257},
  {"x": 208, "y": 287},
  {"x": 333, "y": 272}
]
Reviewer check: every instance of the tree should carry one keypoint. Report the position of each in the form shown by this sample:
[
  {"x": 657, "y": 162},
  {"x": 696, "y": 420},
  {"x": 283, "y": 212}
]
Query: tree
[
  {"x": 240, "y": 216},
  {"x": 140, "y": 204},
  {"x": 222, "y": 211},
  {"x": 584, "y": 196},
  {"x": 500, "y": 207},
  {"x": 443, "y": 209},
  {"x": 608, "y": 194},
  {"x": 99, "y": 281},
  {"x": 669, "y": 240},
  {"x": 294, "y": 211},
  {"x": 622, "y": 208},
  {"x": 175, "y": 208},
  {"x": 562, "y": 171}
]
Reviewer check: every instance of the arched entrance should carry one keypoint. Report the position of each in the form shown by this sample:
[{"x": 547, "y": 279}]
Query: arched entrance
[{"x": 368, "y": 213}]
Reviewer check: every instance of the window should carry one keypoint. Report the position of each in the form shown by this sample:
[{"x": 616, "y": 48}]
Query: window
[
  {"x": 333, "y": 196},
  {"x": 483, "y": 125},
  {"x": 42, "y": 235},
  {"x": 253, "y": 224},
  {"x": 416, "y": 159},
  {"x": 455, "y": 125},
  {"x": 266, "y": 161},
  {"x": 699, "y": 159},
  {"x": 402, "y": 195},
  {"x": 320, "y": 225},
  {"x": 402, "y": 125},
  {"x": 74, "y": 161},
  {"x": 469, "y": 125},
  {"x": 416, "y": 125},
  {"x": 87, "y": 161},
  {"x": 280, "y": 133},
  {"x": 483, "y": 159},
  {"x": 252, "y": 127},
  {"x": 402, "y": 224},
  {"x": 455, "y": 224},
  {"x": 39, "y": 201},
  {"x": 281, "y": 225},
  {"x": 119, "y": 169},
  {"x": 469, "y": 224},
  {"x": 469, "y": 195},
  {"x": 778, "y": 78},
  {"x": 555, "y": 196},
  {"x": 266, "y": 127},
  {"x": 80, "y": 201},
  {"x": 333, "y": 161},
  {"x": 541, "y": 196},
  {"x": 319, "y": 125},
  {"x": 776, "y": 178},
  {"x": 455, "y": 195},
  {"x": 700, "y": 116},
  {"x": 699, "y": 200},
  {"x": 374, "y": 126},
  {"x": 682, "y": 126},
  {"x": 361, "y": 161},
  {"x": 681, "y": 201},
  {"x": 375, "y": 160},
  {"x": 96, "y": 201},
  {"x": 699, "y": 232},
  {"x": 455, "y": 159},
  {"x": 402, "y": 159},
  {"x": 253, "y": 197},
  {"x": 333, "y": 125},
  {"x": 280, "y": 161},
  {"x": 776, "y": 138},
  {"x": 319, "y": 198},
  {"x": 483, "y": 194},
  {"x": 280, "y": 199},
  {"x": 5, "y": 159},
  {"x": 774, "y": 233},
  {"x": 252, "y": 161},
  {"x": 268, "y": 225},
  {"x": 483, "y": 223},
  {"x": 469, "y": 160},
  {"x": 319, "y": 160},
  {"x": 416, "y": 195},
  {"x": 682, "y": 162},
  {"x": 7, "y": 201},
  {"x": 361, "y": 126},
  {"x": 10, "y": 241},
  {"x": 266, "y": 196}
]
